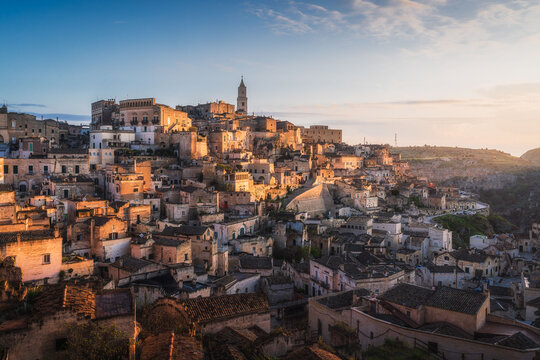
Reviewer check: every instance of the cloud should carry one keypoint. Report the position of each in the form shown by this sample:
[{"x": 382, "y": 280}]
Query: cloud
[
  {"x": 62, "y": 116},
  {"x": 28, "y": 105},
  {"x": 435, "y": 25},
  {"x": 513, "y": 91}
]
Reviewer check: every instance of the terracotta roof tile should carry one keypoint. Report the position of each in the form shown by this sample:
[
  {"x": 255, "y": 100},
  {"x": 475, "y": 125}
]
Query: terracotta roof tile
[
  {"x": 171, "y": 346},
  {"x": 203, "y": 310}
]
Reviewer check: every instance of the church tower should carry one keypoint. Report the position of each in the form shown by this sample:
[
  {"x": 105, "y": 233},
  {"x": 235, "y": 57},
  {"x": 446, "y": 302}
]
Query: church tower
[{"x": 241, "y": 100}]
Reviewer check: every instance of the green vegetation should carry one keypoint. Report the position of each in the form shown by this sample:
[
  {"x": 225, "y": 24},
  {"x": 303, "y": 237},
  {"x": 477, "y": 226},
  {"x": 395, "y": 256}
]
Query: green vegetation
[
  {"x": 465, "y": 226},
  {"x": 94, "y": 342},
  {"x": 519, "y": 202},
  {"x": 395, "y": 350},
  {"x": 295, "y": 253}
]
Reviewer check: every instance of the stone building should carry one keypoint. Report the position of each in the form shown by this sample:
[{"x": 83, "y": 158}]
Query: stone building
[
  {"x": 43, "y": 335},
  {"x": 321, "y": 133},
  {"x": 452, "y": 324},
  {"x": 209, "y": 110},
  {"x": 102, "y": 113},
  {"x": 38, "y": 253},
  {"x": 139, "y": 114}
]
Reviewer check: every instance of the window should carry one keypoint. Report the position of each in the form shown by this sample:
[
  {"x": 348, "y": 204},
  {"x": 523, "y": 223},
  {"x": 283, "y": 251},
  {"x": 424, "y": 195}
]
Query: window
[
  {"x": 64, "y": 169},
  {"x": 6, "y": 169},
  {"x": 15, "y": 169},
  {"x": 46, "y": 259},
  {"x": 467, "y": 270},
  {"x": 46, "y": 169},
  {"x": 135, "y": 190},
  {"x": 31, "y": 147},
  {"x": 76, "y": 169},
  {"x": 186, "y": 257},
  {"x": 66, "y": 193},
  {"x": 30, "y": 169},
  {"x": 60, "y": 344}
]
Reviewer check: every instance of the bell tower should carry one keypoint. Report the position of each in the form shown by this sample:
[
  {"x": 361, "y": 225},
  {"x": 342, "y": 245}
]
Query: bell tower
[{"x": 241, "y": 100}]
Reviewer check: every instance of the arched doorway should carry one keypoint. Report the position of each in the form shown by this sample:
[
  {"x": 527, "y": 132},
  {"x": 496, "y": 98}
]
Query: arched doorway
[{"x": 23, "y": 187}]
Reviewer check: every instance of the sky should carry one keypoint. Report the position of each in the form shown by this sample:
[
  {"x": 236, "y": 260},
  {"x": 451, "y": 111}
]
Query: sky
[{"x": 438, "y": 72}]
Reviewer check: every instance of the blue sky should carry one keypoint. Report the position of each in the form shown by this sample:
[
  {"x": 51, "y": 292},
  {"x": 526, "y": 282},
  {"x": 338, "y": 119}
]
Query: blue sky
[{"x": 445, "y": 72}]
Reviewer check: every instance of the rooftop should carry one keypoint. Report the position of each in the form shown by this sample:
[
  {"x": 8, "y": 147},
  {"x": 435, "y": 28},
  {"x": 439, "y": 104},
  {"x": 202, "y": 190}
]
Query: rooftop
[
  {"x": 255, "y": 262},
  {"x": 342, "y": 299},
  {"x": 204, "y": 310}
]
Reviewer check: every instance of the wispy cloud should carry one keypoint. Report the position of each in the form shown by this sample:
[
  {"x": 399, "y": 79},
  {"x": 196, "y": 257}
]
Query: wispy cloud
[
  {"x": 428, "y": 22},
  {"x": 62, "y": 116},
  {"x": 28, "y": 105}
]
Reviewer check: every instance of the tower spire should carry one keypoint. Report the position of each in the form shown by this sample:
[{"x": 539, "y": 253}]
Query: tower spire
[{"x": 241, "y": 100}]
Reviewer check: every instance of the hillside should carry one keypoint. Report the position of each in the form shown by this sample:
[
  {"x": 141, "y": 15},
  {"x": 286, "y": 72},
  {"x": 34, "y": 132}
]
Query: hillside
[
  {"x": 466, "y": 168},
  {"x": 532, "y": 156},
  {"x": 463, "y": 227}
]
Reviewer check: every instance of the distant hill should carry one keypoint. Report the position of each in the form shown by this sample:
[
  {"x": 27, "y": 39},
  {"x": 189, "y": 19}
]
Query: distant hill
[
  {"x": 532, "y": 156},
  {"x": 488, "y": 156},
  {"x": 469, "y": 168}
]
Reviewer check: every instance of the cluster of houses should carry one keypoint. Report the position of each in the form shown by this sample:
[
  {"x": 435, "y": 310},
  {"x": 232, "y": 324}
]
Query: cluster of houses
[{"x": 268, "y": 236}]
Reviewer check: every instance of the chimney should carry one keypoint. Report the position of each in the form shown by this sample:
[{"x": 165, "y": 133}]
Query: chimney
[{"x": 56, "y": 232}]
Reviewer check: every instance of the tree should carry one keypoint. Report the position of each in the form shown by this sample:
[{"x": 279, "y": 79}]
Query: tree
[{"x": 94, "y": 342}]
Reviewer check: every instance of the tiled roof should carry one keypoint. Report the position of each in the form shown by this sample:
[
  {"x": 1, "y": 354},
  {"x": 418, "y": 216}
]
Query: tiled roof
[
  {"x": 516, "y": 341},
  {"x": 342, "y": 299},
  {"x": 445, "y": 329},
  {"x": 112, "y": 303},
  {"x": 471, "y": 256},
  {"x": 408, "y": 295},
  {"x": 191, "y": 230},
  {"x": 203, "y": 310},
  {"x": 443, "y": 269},
  {"x": 130, "y": 264},
  {"x": 463, "y": 301},
  {"x": 167, "y": 242},
  {"x": 9, "y": 237},
  {"x": 99, "y": 220},
  {"x": 255, "y": 262},
  {"x": 78, "y": 299},
  {"x": 171, "y": 346},
  {"x": 331, "y": 262}
]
